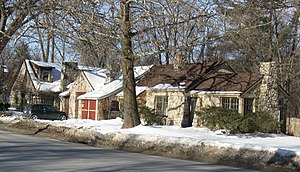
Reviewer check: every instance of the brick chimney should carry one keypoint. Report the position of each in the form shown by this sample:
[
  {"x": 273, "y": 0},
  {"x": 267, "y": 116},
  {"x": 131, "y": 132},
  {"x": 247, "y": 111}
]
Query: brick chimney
[{"x": 69, "y": 73}]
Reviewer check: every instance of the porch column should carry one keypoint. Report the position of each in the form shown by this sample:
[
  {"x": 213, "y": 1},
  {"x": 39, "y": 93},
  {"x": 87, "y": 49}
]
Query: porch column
[{"x": 241, "y": 106}]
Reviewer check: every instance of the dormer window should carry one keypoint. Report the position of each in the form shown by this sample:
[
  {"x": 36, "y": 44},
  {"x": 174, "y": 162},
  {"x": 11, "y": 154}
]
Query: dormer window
[{"x": 46, "y": 75}]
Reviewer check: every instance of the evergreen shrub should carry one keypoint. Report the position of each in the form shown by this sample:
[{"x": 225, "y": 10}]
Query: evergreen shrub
[{"x": 216, "y": 118}]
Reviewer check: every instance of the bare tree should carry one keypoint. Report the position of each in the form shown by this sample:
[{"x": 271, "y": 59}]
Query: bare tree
[
  {"x": 123, "y": 23},
  {"x": 16, "y": 15}
]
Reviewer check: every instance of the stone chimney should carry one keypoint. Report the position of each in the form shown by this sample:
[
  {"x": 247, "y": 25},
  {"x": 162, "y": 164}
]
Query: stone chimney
[
  {"x": 179, "y": 61},
  {"x": 268, "y": 93},
  {"x": 108, "y": 78},
  {"x": 69, "y": 73}
]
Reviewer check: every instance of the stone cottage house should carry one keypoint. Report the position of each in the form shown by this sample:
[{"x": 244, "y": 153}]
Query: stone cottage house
[
  {"x": 37, "y": 82},
  {"x": 42, "y": 82},
  {"x": 102, "y": 102},
  {"x": 175, "y": 93},
  {"x": 88, "y": 80}
]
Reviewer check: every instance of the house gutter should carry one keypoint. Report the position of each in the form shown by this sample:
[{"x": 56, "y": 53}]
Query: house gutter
[{"x": 215, "y": 92}]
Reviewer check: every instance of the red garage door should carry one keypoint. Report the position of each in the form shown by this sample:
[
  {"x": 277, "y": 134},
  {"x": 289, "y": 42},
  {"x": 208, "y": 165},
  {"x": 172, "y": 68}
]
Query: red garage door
[{"x": 88, "y": 109}]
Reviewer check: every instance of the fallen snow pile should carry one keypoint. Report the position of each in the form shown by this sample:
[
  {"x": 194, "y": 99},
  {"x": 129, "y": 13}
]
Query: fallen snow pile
[
  {"x": 258, "y": 141},
  {"x": 191, "y": 143}
]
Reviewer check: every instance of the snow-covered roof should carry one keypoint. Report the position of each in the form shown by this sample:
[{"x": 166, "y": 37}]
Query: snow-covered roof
[
  {"x": 95, "y": 75},
  {"x": 165, "y": 87},
  {"x": 65, "y": 93},
  {"x": 96, "y": 79},
  {"x": 138, "y": 91},
  {"x": 168, "y": 87},
  {"x": 92, "y": 69},
  {"x": 215, "y": 92},
  {"x": 113, "y": 87},
  {"x": 46, "y": 64},
  {"x": 45, "y": 86}
]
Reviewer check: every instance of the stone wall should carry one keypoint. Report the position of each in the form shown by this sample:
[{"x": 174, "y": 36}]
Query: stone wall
[
  {"x": 175, "y": 105},
  {"x": 293, "y": 126},
  {"x": 80, "y": 85},
  {"x": 175, "y": 109},
  {"x": 212, "y": 100}
]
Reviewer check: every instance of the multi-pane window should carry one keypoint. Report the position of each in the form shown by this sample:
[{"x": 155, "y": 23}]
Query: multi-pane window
[
  {"x": 45, "y": 75},
  {"x": 230, "y": 103},
  {"x": 161, "y": 105}
]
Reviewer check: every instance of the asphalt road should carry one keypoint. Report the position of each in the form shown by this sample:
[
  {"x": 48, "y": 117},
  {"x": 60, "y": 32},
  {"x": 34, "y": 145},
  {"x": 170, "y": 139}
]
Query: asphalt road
[{"x": 30, "y": 153}]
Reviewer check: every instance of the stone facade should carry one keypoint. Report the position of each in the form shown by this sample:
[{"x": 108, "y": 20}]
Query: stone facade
[
  {"x": 81, "y": 85},
  {"x": 206, "y": 100},
  {"x": 175, "y": 109},
  {"x": 23, "y": 91},
  {"x": 268, "y": 97},
  {"x": 175, "y": 105},
  {"x": 293, "y": 126}
]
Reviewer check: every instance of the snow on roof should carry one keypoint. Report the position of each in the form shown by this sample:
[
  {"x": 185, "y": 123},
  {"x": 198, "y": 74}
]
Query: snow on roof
[
  {"x": 92, "y": 69},
  {"x": 47, "y": 64},
  {"x": 97, "y": 79},
  {"x": 45, "y": 86},
  {"x": 105, "y": 91},
  {"x": 56, "y": 68},
  {"x": 138, "y": 91},
  {"x": 115, "y": 86},
  {"x": 215, "y": 92},
  {"x": 65, "y": 93},
  {"x": 167, "y": 87}
]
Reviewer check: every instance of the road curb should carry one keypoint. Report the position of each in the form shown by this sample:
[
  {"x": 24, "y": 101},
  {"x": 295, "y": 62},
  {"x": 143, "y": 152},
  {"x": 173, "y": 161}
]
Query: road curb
[{"x": 163, "y": 146}]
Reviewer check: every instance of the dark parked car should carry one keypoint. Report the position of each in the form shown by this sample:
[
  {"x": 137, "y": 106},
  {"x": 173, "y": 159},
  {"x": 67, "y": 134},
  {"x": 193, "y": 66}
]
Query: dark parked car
[{"x": 44, "y": 111}]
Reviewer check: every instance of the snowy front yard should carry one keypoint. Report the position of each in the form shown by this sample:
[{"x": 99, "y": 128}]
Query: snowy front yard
[{"x": 279, "y": 143}]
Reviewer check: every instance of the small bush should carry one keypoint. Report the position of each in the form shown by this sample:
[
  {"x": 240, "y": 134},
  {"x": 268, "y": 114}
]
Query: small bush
[
  {"x": 265, "y": 122},
  {"x": 216, "y": 118}
]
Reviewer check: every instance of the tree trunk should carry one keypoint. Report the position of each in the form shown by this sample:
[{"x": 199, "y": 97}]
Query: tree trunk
[{"x": 131, "y": 115}]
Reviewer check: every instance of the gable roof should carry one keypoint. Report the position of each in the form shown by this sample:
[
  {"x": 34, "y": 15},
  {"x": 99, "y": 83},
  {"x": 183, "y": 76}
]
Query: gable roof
[
  {"x": 95, "y": 78},
  {"x": 208, "y": 76},
  {"x": 236, "y": 82},
  {"x": 187, "y": 74},
  {"x": 115, "y": 86},
  {"x": 41, "y": 85}
]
